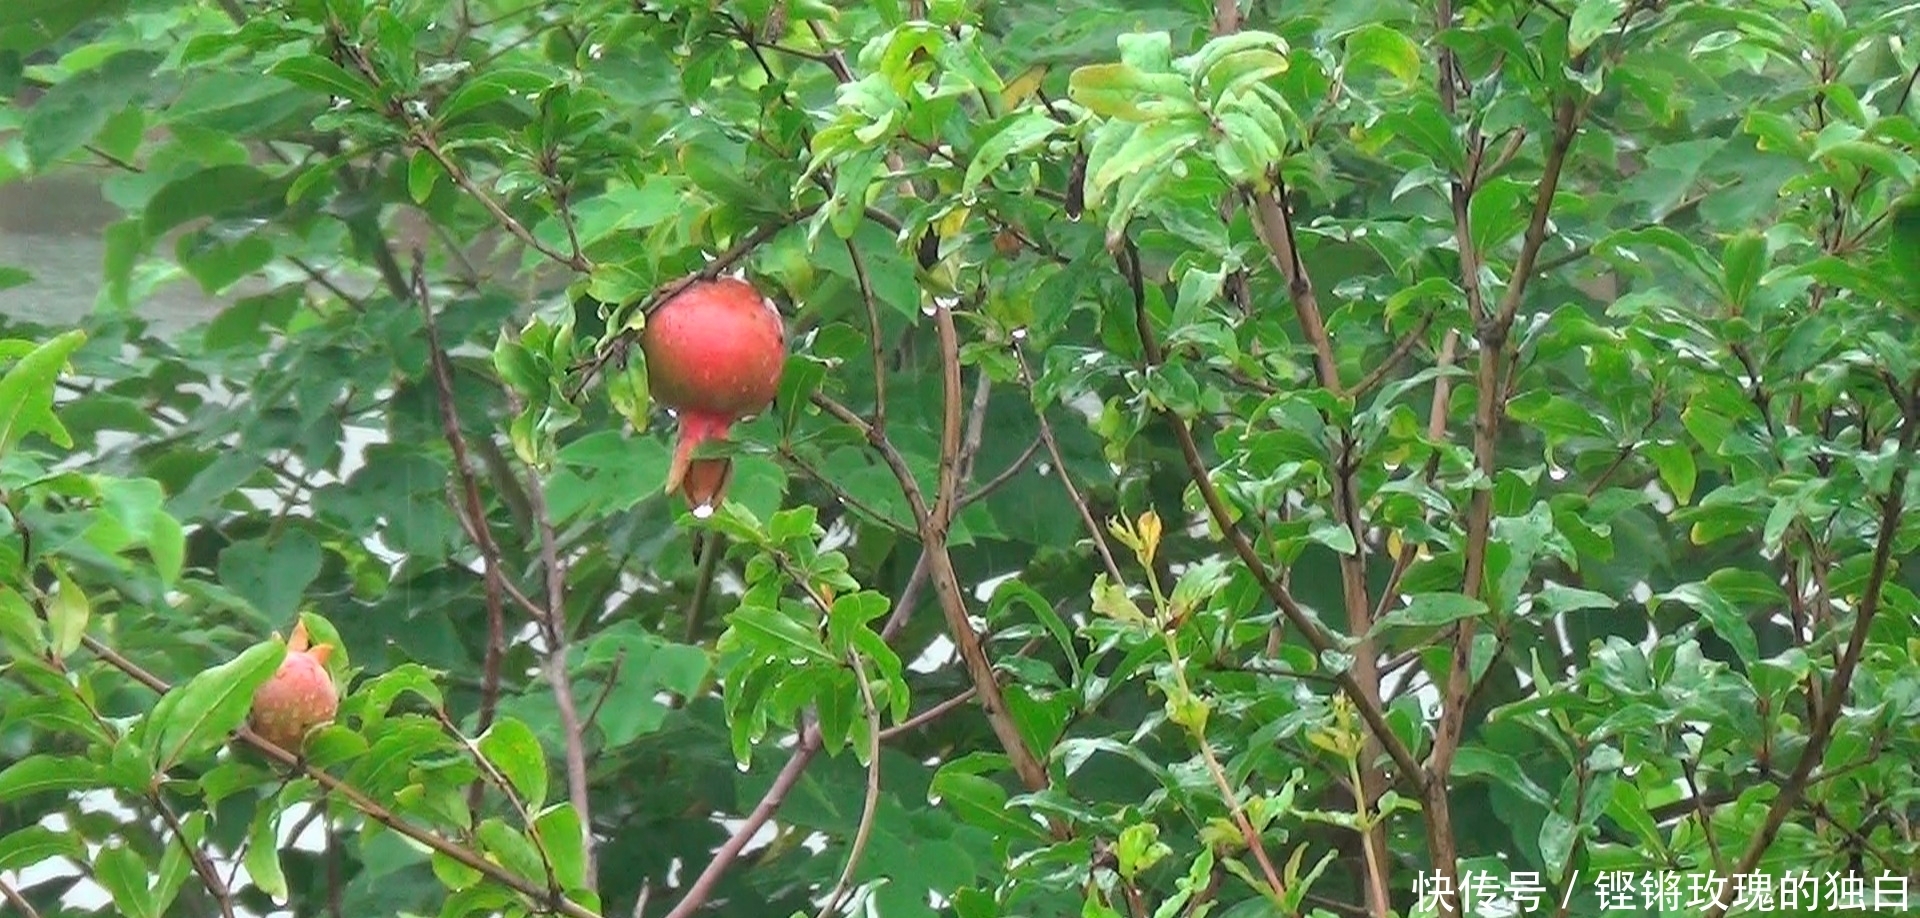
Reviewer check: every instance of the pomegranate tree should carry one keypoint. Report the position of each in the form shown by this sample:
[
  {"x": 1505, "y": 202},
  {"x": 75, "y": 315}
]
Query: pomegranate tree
[
  {"x": 300, "y": 696},
  {"x": 715, "y": 352}
]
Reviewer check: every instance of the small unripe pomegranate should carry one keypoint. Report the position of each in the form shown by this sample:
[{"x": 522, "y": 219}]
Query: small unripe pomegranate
[
  {"x": 299, "y": 697},
  {"x": 715, "y": 352}
]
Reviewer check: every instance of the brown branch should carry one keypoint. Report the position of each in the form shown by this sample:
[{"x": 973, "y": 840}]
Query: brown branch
[
  {"x": 1401, "y": 349},
  {"x": 425, "y": 140},
  {"x": 1273, "y": 220},
  {"x": 896, "y": 463},
  {"x": 461, "y": 854},
  {"x": 783, "y": 784},
  {"x": 1316, "y": 635},
  {"x": 803, "y": 754},
  {"x": 474, "y": 507},
  {"x": 870, "y": 803},
  {"x": 1492, "y": 332},
  {"x": 875, "y": 343},
  {"x": 946, "y": 581},
  {"x": 1007, "y": 474},
  {"x": 573, "y": 734},
  {"x": 1836, "y": 694},
  {"x": 18, "y": 901},
  {"x": 1094, "y": 531},
  {"x": 929, "y": 715},
  {"x": 1275, "y": 227},
  {"x": 202, "y": 865}
]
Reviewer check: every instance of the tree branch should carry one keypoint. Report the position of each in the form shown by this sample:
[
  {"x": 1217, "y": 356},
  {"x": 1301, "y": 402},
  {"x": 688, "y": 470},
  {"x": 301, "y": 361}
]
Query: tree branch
[
  {"x": 555, "y": 665},
  {"x": 1836, "y": 694},
  {"x": 467, "y": 857},
  {"x": 474, "y": 509},
  {"x": 1316, "y": 635}
]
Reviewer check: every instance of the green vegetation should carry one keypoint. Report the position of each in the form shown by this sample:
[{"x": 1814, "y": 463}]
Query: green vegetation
[{"x": 1279, "y": 458}]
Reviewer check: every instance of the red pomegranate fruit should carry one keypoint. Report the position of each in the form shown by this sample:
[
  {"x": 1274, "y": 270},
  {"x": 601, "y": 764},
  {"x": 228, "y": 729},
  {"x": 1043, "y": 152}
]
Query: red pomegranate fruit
[
  {"x": 299, "y": 697},
  {"x": 715, "y": 352}
]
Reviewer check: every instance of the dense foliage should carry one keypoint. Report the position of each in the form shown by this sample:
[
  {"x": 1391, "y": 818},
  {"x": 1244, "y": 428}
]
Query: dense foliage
[{"x": 1236, "y": 459}]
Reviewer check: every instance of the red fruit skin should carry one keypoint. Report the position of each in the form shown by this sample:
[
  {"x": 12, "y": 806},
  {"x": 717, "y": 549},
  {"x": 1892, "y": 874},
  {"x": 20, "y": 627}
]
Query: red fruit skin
[
  {"x": 715, "y": 353},
  {"x": 299, "y": 697},
  {"x": 716, "y": 347}
]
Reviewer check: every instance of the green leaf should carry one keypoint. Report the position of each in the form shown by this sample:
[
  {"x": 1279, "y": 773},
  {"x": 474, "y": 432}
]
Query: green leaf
[
  {"x": 1427, "y": 610},
  {"x": 1013, "y": 592},
  {"x": 774, "y": 633},
  {"x": 41, "y": 774},
  {"x": 1501, "y": 769},
  {"x": 176, "y": 863},
  {"x": 1111, "y": 600},
  {"x": 75, "y": 109},
  {"x": 263, "y": 853},
  {"x": 561, "y": 835},
  {"x": 123, "y": 872},
  {"x": 1123, "y": 92},
  {"x": 1428, "y": 129},
  {"x": 272, "y": 576},
  {"x": 978, "y": 801},
  {"x": 26, "y": 392},
  {"x": 1721, "y": 615},
  {"x": 422, "y": 172},
  {"x": 198, "y": 714},
  {"x": 512, "y": 748},
  {"x": 1386, "y": 48},
  {"x": 1558, "y": 416},
  {"x": 1675, "y": 464},
  {"x": 32, "y": 846},
  {"x": 489, "y": 87},
  {"x": 850, "y": 613},
  {"x": 1590, "y": 20},
  {"x": 1018, "y": 133},
  {"x": 20, "y": 624},
  {"x": 317, "y": 73},
  {"x": 1743, "y": 261},
  {"x": 67, "y": 613},
  {"x": 216, "y": 191},
  {"x": 511, "y": 849},
  {"x": 1559, "y": 599}
]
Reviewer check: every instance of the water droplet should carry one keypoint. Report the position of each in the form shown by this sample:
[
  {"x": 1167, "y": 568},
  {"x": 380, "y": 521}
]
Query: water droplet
[
  {"x": 1020, "y": 334},
  {"x": 928, "y": 309},
  {"x": 702, "y": 511}
]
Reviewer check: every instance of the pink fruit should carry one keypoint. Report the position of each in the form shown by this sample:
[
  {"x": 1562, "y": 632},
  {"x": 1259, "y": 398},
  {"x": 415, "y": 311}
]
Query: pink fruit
[
  {"x": 715, "y": 352},
  {"x": 299, "y": 697}
]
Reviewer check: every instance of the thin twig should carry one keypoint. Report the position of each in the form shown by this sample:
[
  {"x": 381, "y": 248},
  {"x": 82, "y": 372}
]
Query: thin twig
[
  {"x": 474, "y": 507},
  {"x": 1007, "y": 474},
  {"x": 354, "y": 797},
  {"x": 946, "y": 581},
  {"x": 1316, "y": 635},
  {"x": 783, "y": 783},
  {"x": 1094, "y": 531},
  {"x": 870, "y": 805},
  {"x": 555, "y": 666},
  {"x": 424, "y": 139},
  {"x": 875, "y": 343},
  {"x": 928, "y": 716},
  {"x": 729, "y": 852},
  {"x": 1836, "y": 694},
  {"x": 17, "y": 901},
  {"x": 202, "y": 865}
]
